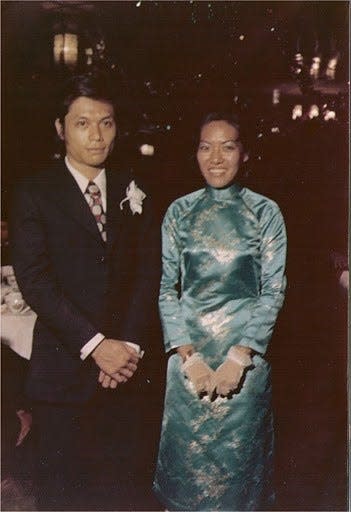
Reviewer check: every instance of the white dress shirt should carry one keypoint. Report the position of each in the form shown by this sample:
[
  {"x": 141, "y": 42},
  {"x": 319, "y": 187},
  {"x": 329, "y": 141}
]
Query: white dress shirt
[{"x": 82, "y": 183}]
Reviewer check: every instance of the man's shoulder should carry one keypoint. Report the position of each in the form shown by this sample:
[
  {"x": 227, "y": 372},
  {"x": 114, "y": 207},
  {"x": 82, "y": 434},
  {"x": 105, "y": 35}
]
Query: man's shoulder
[{"x": 44, "y": 176}]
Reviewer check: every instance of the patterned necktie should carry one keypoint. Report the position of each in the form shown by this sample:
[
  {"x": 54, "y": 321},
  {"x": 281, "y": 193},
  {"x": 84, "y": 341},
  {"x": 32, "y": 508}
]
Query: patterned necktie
[{"x": 96, "y": 208}]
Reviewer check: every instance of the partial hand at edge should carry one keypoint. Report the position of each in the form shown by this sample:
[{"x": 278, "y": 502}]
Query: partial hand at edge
[{"x": 344, "y": 280}]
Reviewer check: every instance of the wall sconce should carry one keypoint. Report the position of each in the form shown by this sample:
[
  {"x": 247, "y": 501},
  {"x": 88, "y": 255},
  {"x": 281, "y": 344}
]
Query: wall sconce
[{"x": 66, "y": 49}]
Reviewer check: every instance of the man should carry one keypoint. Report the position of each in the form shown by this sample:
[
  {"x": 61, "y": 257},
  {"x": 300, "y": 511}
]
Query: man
[{"x": 88, "y": 266}]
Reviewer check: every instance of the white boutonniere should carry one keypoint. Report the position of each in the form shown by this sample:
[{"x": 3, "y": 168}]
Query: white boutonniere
[{"x": 135, "y": 196}]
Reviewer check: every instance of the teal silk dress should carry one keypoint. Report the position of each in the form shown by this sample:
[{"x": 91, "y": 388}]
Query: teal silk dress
[{"x": 223, "y": 284}]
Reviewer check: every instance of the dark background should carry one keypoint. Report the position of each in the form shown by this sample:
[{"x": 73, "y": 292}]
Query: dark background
[{"x": 170, "y": 62}]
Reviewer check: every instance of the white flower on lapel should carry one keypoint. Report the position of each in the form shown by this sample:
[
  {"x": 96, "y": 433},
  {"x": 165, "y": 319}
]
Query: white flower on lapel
[{"x": 135, "y": 196}]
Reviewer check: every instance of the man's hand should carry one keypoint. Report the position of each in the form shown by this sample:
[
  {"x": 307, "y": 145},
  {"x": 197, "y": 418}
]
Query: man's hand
[
  {"x": 116, "y": 359},
  {"x": 109, "y": 382}
]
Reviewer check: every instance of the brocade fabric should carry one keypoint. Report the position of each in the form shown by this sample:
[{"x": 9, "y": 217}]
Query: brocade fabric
[{"x": 223, "y": 284}]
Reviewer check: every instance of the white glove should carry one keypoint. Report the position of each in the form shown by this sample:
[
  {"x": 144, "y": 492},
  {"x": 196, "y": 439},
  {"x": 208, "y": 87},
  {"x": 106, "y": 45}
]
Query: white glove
[
  {"x": 199, "y": 373},
  {"x": 230, "y": 372}
]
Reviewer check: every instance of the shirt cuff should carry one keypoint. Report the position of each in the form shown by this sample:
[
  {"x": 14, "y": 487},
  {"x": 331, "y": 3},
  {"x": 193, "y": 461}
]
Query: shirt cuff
[
  {"x": 88, "y": 348},
  {"x": 137, "y": 348}
]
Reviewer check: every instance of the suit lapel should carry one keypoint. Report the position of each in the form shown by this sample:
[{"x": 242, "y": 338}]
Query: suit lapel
[
  {"x": 116, "y": 184},
  {"x": 68, "y": 195}
]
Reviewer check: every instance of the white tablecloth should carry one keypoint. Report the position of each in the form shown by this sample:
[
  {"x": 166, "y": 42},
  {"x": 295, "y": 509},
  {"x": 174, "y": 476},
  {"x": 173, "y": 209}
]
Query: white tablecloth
[{"x": 17, "y": 332}]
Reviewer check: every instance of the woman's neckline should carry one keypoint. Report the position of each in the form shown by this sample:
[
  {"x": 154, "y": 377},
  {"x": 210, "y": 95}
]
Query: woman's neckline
[{"x": 222, "y": 194}]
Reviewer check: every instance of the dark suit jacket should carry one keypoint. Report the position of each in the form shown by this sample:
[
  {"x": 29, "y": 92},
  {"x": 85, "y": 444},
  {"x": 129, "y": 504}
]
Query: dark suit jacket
[{"x": 77, "y": 284}]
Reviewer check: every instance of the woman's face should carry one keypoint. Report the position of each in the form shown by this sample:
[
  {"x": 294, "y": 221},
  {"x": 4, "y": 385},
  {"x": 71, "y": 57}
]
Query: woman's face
[{"x": 219, "y": 153}]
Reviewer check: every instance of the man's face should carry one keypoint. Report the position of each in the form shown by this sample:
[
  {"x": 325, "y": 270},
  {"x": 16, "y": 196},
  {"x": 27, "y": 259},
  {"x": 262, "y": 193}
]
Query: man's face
[
  {"x": 220, "y": 153},
  {"x": 89, "y": 132}
]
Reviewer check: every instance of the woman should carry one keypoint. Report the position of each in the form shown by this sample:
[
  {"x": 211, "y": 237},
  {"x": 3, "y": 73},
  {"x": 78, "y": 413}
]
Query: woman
[{"x": 223, "y": 284}]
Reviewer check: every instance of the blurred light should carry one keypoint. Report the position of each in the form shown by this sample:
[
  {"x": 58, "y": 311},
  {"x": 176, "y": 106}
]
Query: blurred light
[
  {"x": 168, "y": 127},
  {"x": 147, "y": 149},
  {"x": 276, "y": 96},
  {"x": 329, "y": 115},
  {"x": 298, "y": 59},
  {"x": 66, "y": 49},
  {"x": 296, "y": 112},
  {"x": 313, "y": 111},
  {"x": 314, "y": 70},
  {"x": 272, "y": 29},
  {"x": 331, "y": 67},
  {"x": 275, "y": 129},
  {"x": 138, "y": 4},
  {"x": 89, "y": 54},
  {"x": 58, "y": 48},
  {"x": 242, "y": 37},
  {"x": 297, "y": 63}
]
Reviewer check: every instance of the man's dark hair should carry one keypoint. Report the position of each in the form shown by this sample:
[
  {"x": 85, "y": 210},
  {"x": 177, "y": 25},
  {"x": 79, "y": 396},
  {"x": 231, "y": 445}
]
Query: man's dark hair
[{"x": 96, "y": 86}]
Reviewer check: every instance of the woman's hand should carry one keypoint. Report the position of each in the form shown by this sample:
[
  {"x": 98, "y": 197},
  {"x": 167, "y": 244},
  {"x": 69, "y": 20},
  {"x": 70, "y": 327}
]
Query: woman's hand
[
  {"x": 229, "y": 374},
  {"x": 199, "y": 373},
  {"x": 244, "y": 350},
  {"x": 185, "y": 351}
]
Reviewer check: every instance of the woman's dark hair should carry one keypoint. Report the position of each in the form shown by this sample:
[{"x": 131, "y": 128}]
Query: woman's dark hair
[
  {"x": 96, "y": 86},
  {"x": 230, "y": 118}
]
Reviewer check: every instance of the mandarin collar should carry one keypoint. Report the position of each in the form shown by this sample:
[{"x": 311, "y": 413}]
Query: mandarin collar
[{"x": 223, "y": 194}]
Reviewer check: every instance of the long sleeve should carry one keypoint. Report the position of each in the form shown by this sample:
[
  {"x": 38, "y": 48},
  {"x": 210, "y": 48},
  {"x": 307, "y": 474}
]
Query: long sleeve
[
  {"x": 36, "y": 277},
  {"x": 174, "y": 329},
  {"x": 223, "y": 282},
  {"x": 259, "y": 328}
]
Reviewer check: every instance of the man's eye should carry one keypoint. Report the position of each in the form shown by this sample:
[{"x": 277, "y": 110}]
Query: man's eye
[
  {"x": 230, "y": 147},
  {"x": 81, "y": 122},
  {"x": 203, "y": 148},
  {"x": 108, "y": 122}
]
